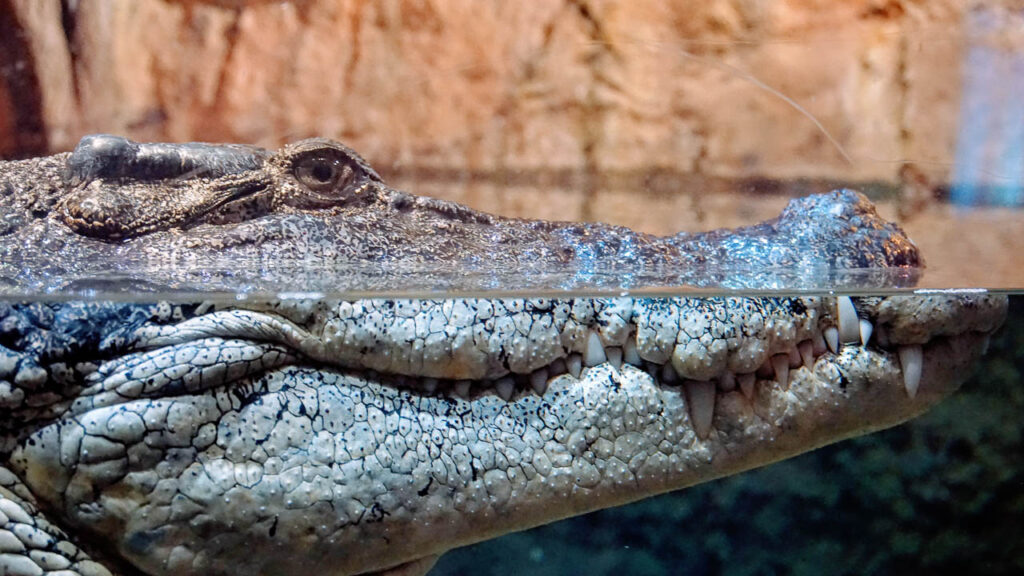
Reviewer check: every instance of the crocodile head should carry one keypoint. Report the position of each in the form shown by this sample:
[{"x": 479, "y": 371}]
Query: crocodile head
[
  {"x": 343, "y": 436},
  {"x": 234, "y": 218}
]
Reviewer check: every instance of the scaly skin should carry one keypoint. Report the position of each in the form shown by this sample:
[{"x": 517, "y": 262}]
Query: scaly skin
[{"x": 336, "y": 436}]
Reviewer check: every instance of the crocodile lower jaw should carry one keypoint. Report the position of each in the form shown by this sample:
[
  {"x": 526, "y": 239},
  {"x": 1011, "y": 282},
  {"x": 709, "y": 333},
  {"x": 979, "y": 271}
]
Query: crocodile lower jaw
[
  {"x": 626, "y": 410},
  {"x": 586, "y": 443}
]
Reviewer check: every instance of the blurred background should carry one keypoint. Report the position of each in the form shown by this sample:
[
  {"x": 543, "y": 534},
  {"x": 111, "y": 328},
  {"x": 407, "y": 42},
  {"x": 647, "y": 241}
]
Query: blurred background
[{"x": 660, "y": 115}]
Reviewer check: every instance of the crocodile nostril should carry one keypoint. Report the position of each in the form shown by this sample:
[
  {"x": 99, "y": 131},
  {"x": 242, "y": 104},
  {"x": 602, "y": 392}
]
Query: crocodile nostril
[
  {"x": 107, "y": 157},
  {"x": 99, "y": 156}
]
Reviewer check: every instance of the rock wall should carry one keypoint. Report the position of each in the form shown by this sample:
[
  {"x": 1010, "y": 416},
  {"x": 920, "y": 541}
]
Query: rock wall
[{"x": 727, "y": 88}]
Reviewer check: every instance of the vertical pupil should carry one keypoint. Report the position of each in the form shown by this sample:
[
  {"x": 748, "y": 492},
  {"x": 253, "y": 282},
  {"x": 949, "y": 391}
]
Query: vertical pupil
[{"x": 322, "y": 171}]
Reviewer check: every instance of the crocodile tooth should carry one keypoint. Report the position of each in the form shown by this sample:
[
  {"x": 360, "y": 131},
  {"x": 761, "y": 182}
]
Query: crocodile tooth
[
  {"x": 629, "y": 353},
  {"x": 849, "y": 324},
  {"x": 911, "y": 361},
  {"x": 594, "y": 353},
  {"x": 505, "y": 387},
  {"x": 429, "y": 385},
  {"x": 614, "y": 357},
  {"x": 795, "y": 361},
  {"x": 557, "y": 367},
  {"x": 865, "y": 331},
  {"x": 462, "y": 388},
  {"x": 574, "y": 363},
  {"x": 818, "y": 341},
  {"x": 747, "y": 384},
  {"x": 806, "y": 349},
  {"x": 780, "y": 362},
  {"x": 668, "y": 374},
  {"x": 539, "y": 381},
  {"x": 727, "y": 382},
  {"x": 832, "y": 339},
  {"x": 985, "y": 344},
  {"x": 700, "y": 396}
]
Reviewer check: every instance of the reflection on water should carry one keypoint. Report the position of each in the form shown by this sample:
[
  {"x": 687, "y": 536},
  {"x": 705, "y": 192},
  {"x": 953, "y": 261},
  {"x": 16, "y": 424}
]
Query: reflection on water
[{"x": 236, "y": 281}]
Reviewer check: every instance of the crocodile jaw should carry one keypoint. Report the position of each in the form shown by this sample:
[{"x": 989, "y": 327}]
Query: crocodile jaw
[{"x": 335, "y": 471}]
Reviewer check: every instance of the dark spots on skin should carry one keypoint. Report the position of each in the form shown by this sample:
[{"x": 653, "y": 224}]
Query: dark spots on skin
[
  {"x": 273, "y": 528},
  {"x": 423, "y": 491},
  {"x": 377, "y": 513},
  {"x": 141, "y": 542},
  {"x": 797, "y": 307}
]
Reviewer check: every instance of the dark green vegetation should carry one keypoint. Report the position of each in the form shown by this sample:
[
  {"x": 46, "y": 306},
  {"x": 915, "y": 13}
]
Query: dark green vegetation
[{"x": 943, "y": 494}]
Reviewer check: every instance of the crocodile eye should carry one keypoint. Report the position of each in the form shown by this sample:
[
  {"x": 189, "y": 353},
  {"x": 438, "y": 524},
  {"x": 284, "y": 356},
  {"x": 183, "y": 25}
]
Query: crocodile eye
[{"x": 323, "y": 173}]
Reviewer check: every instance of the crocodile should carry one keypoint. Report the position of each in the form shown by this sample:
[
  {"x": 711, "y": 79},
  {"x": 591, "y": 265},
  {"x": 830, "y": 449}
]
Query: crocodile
[{"x": 286, "y": 430}]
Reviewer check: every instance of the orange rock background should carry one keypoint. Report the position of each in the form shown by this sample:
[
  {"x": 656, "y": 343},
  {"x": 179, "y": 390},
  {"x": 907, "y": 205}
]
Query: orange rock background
[
  {"x": 660, "y": 115},
  {"x": 484, "y": 86}
]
